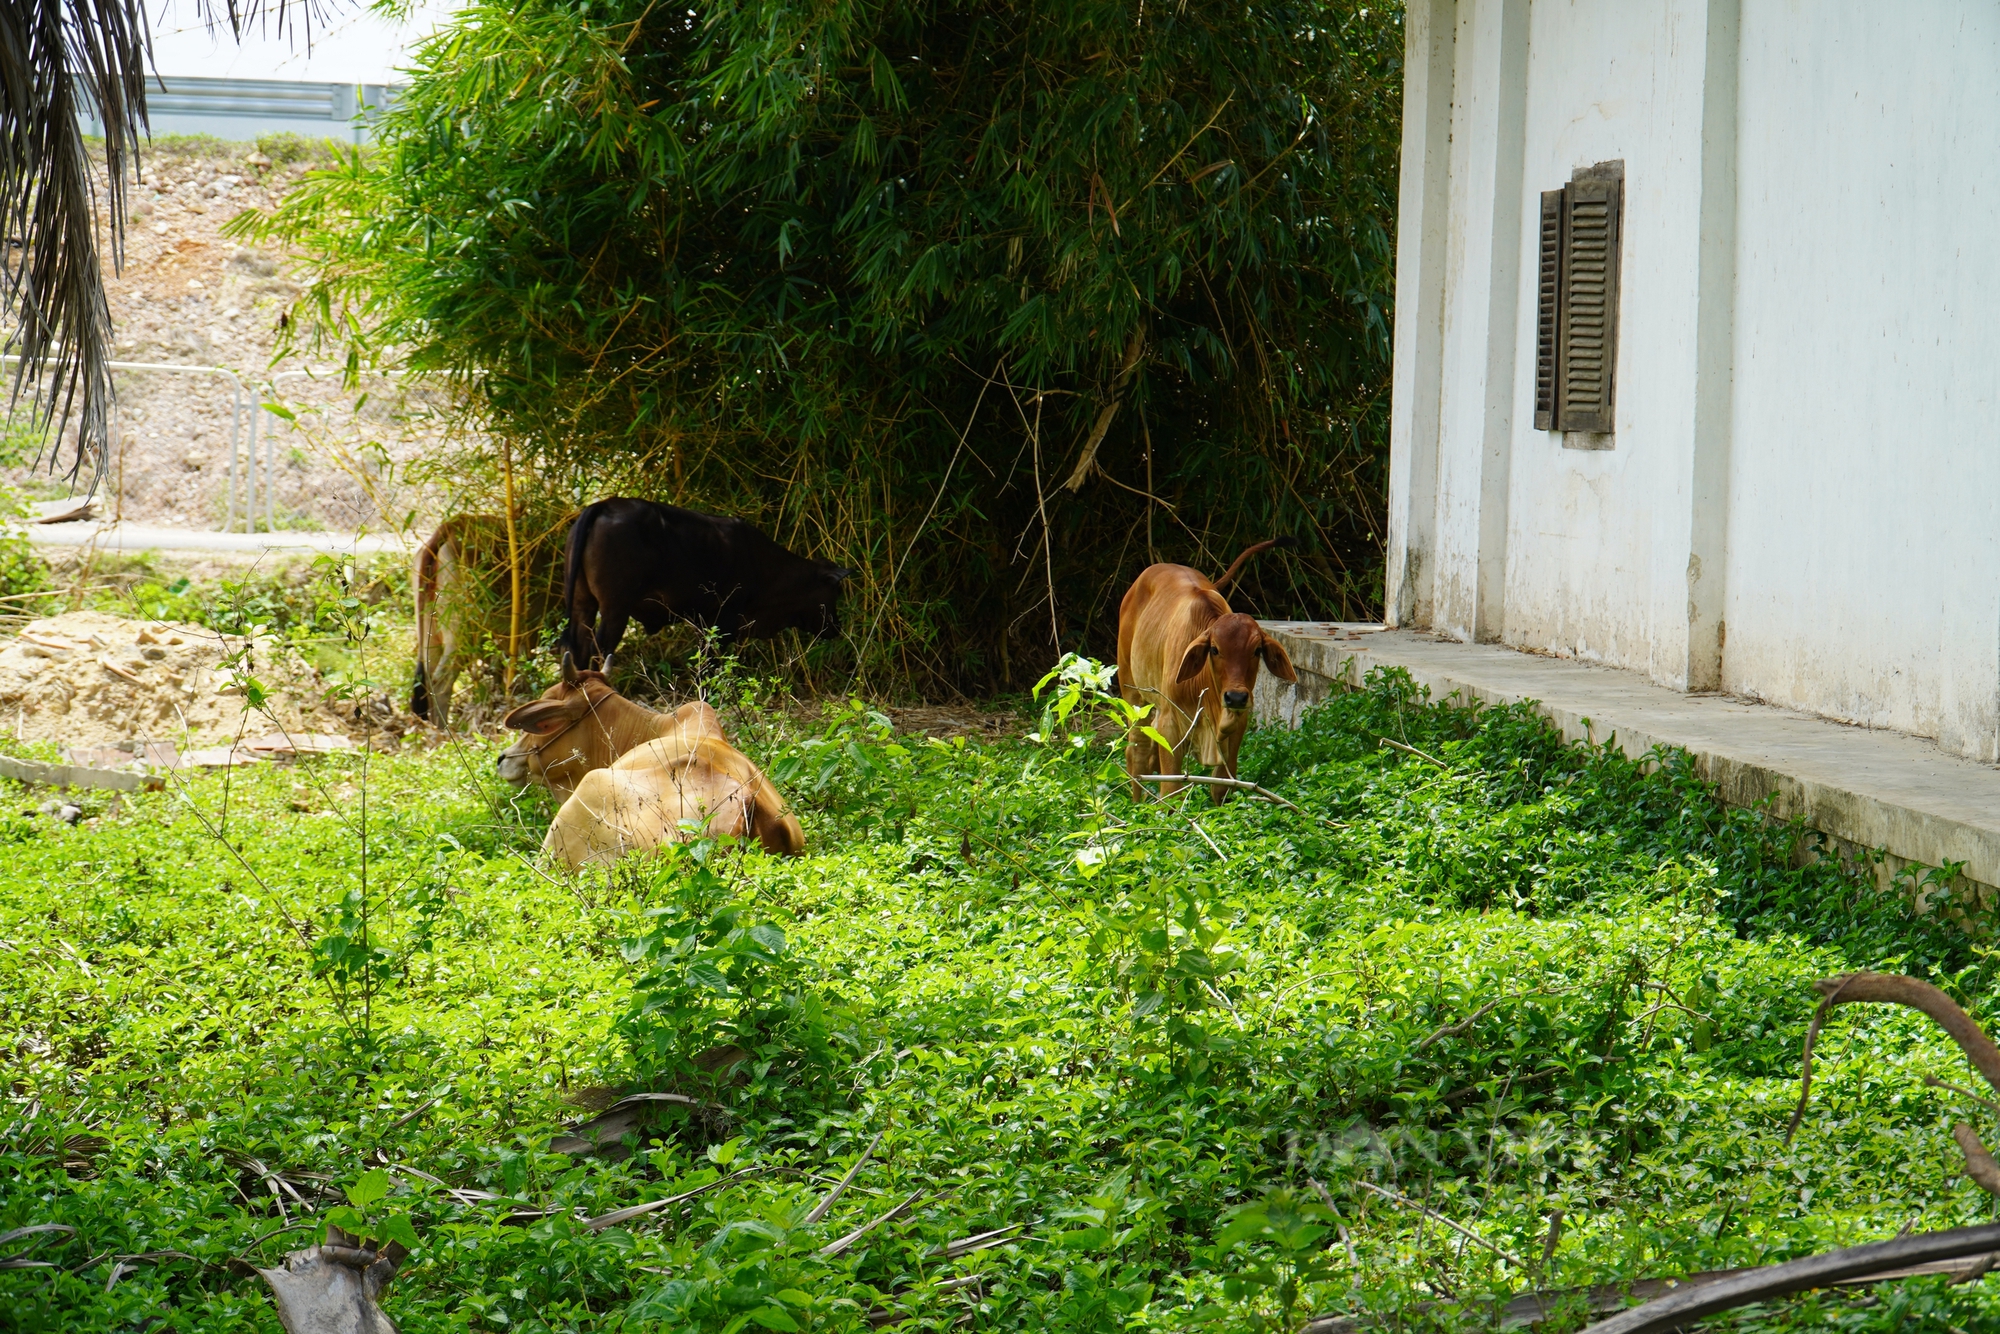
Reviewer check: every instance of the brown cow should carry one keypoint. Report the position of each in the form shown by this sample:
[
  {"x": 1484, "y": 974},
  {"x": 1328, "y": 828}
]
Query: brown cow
[
  {"x": 1183, "y": 651},
  {"x": 465, "y": 600},
  {"x": 671, "y": 790},
  {"x": 581, "y": 725}
]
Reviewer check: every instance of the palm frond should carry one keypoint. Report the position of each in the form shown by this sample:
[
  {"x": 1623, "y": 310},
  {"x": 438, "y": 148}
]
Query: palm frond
[
  {"x": 54, "y": 54},
  {"x": 59, "y": 58}
]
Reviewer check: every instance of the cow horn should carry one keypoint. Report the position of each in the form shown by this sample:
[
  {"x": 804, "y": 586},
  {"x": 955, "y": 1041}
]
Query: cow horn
[
  {"x": 568, "y": 668},
  {"x": 605, "y": 667}
]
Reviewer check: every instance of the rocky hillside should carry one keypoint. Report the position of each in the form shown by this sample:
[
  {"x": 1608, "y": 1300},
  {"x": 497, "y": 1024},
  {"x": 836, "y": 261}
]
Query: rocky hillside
[{"x": 188, "y": 296}]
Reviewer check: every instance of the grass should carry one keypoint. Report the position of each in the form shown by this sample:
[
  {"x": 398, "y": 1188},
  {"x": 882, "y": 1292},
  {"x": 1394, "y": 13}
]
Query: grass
[{"x": 1213, "y": 1067}]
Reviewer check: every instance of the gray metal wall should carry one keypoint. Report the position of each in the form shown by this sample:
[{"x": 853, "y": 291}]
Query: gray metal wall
[{"x": 242, "y": 109}]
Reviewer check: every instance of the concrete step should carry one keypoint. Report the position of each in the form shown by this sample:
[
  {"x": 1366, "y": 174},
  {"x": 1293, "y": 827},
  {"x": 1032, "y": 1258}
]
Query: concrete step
[{"x": 1869, "y": 789}]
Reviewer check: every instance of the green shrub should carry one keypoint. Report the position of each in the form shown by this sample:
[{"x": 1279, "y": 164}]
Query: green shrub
[
  {"x": 22, "y": 569},
  {"x": 308, "y": 600},
  {"x": 22, "y": 440},
  {"x": 285, "y": 148},
  {"x": 192, "y": 145},
  {"x": 882, "y": 278}
]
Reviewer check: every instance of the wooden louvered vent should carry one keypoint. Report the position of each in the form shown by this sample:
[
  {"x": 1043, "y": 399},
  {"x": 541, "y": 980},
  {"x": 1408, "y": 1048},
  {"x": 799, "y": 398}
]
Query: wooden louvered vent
[
  {"x": 1576, "y": 342},
  {"x": 1548, "y": 288}
]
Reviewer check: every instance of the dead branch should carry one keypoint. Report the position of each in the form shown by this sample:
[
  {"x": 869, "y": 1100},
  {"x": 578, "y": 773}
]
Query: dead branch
[
  {"x": 1219, "y": 854},
  {"x": 1979, "y": 1164},
  {"x": 1744, "y": 1287},
  {"x": 840, "y": 1187},
  {"x": 1554, "y": 1236},
  {"x": 1128, "y": 367},
  {"x": 1353, "y": 1261},
  {"x": 1412, "y": 750},
  {"x": 1437, "y": 1217},
  {"x": 845, "y": 1243},
  {"x": 1453, "y": 1030},
  {"x": 1933, "y": 1082},
  {"x": 1613, "y": 1298},
  {"x": 1240, "y": 785},
  {"x": 1234, "y": 784},
  {"x": 1894, "y": 989},
  {"x": 625, "y": 1215},
  {"x": 981, "y": 1241},
  {"x": 414, "y": 1113}
]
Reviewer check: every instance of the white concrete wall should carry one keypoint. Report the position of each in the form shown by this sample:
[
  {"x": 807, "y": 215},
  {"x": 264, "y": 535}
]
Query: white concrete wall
[
  {"x": 1864, "y": 540},
  {"x": 1598, "y": 538},
  {"x": 1498, "y": 531},
  {"x": 1799, "y": 503}
]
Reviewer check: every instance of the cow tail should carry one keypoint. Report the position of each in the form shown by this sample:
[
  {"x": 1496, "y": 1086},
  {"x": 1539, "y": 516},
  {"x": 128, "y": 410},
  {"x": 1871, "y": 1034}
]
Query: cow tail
[
  {"x": 1236, "y": 567},
  {"x": 426, "y": 591},
  {"x": 579, "y": 533}
]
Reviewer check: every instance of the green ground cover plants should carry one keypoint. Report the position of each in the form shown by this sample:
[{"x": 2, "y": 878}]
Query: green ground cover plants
[{"x": 1180, "y": 1066}]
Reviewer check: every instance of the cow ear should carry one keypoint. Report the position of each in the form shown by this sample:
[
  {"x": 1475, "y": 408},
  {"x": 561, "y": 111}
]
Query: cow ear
[
  {"x": 841, "y": 574},
  {"x": 1276, "y": 659},
  {"x": 542, "y": 716},
  {"x": 1195, "y": 658}
]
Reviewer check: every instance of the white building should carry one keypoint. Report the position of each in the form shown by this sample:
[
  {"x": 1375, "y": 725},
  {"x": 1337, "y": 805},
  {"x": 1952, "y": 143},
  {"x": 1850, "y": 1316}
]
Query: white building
[{"x": 1796, "y": 498}]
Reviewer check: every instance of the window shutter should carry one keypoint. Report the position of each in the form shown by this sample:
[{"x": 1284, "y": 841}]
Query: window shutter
[
  {"x": 1547, "y": 295},
  {"x": 1587, "y": 324}
]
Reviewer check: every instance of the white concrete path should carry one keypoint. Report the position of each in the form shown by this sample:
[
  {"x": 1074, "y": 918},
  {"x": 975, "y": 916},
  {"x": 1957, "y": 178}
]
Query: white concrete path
[
  {"x": 1874, "y": 789},
  {"x": 137, "y": 537}
]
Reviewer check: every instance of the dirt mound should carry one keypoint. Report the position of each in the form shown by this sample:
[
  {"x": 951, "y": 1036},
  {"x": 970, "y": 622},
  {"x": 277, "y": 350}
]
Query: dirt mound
[{"x": 88, "y": 678}]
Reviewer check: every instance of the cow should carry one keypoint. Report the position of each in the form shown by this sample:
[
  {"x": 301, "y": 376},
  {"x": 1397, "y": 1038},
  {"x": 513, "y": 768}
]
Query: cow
[
  {"x": 671, "y": 790},
  {"x": 581, "y": 725},
  {"x": 464, "y": 601},
  {"x": 1185, "y": 653},
  {"x": 637, "y": 558}
]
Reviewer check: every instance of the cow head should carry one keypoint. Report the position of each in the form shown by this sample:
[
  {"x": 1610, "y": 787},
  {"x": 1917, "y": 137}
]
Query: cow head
[
  {"x": 812, "y": 607},
  {"x": 575, "y": 727},
  {"x": 581, "y": 724},
  {"x": 1231, "y": 649}
]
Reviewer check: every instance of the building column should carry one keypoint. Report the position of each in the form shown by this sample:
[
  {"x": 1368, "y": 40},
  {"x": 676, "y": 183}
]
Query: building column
[
  {"x": 1715, "y": 351},
  {"x": 1430, "y": 30},
  {"x": 1482, "y": 300}
]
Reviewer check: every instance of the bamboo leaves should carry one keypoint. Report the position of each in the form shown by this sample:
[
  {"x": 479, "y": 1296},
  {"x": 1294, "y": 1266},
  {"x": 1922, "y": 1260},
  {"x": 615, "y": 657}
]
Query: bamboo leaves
[{"x": 842, "y": 217}]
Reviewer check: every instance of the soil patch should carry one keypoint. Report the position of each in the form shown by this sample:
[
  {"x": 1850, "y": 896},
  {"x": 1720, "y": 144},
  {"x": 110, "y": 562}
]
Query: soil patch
[
  {"x": 946, "y": 721},
  {"x": 87, "y": 678}
]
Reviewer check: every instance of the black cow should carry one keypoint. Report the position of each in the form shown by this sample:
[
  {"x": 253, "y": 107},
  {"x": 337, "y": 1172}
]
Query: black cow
[{"x": 632, "y": 558}]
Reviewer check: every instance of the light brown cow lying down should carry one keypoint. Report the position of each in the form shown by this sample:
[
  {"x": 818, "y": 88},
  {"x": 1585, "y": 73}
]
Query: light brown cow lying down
[
  {"x": 671, "y": 791},
  {"x": 581, "y": 725},
  {"x": 1183, "y": 651}
]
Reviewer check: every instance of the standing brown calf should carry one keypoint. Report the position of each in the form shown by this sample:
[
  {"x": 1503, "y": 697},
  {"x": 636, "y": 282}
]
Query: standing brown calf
[
  {"x": 581, "y": 725},
  {"x": 1183, "y": 651}
]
